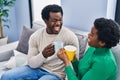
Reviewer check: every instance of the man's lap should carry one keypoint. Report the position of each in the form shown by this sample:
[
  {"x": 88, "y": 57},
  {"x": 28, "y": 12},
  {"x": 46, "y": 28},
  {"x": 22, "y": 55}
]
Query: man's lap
[{"x": 27, "y": 73}]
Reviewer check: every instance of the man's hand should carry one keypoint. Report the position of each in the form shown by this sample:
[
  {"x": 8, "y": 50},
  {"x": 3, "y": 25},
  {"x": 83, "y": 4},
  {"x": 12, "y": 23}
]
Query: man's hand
[{"x": 48, "y": 51}]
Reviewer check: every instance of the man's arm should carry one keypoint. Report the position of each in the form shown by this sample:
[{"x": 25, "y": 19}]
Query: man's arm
[{"x": 35, "y": 58}]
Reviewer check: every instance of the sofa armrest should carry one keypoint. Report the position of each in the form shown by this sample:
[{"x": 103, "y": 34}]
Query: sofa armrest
[{"x": 6, "y": 51}]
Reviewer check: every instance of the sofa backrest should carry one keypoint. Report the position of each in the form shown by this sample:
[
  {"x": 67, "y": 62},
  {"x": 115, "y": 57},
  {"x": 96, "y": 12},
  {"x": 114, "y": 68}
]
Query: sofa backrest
[
  {"x": 38, "y": 25},
  {"x": 116, "y": 52}
]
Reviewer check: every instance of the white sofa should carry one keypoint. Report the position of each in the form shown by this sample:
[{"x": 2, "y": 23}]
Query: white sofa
[{"x": 8, "y": 52}]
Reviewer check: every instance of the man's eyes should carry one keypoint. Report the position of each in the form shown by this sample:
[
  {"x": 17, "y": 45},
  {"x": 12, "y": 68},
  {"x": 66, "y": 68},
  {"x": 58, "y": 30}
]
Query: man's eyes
[
  {"x": 56, "y": 20},
  {"x": 92, "y": 32}
]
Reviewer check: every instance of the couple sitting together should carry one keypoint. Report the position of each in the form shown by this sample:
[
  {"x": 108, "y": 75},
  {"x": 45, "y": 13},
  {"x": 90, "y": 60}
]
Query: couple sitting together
[{"x": 98, "y": 62}]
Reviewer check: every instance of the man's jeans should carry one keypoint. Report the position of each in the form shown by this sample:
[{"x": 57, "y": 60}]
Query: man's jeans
[{"x": 27, "y": 73}]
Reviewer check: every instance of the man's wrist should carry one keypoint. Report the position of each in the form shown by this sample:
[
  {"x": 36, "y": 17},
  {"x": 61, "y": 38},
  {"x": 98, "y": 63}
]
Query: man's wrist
[{"x": 44, "y": 55}]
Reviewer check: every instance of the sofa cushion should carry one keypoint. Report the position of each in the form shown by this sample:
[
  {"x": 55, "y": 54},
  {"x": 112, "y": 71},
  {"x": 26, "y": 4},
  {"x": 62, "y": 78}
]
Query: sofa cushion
[
  {"x": 23, "y": 42},
  {"x": 11, "y": 63},
  {"x": 20, "y": 58}
]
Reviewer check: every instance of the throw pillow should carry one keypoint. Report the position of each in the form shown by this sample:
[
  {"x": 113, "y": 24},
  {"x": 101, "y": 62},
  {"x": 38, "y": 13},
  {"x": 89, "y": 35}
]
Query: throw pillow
[
  {"x": 82, "y": 39},
  {"x": 20, "y": 58},
  {"x": 82, "y": 44},
  {"x": 11, "y": 63},
  {"x": 23, "y": 42}
]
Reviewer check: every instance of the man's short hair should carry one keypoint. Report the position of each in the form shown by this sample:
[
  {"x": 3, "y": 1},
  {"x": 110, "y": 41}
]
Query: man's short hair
[{"x": 50, "y": 8}]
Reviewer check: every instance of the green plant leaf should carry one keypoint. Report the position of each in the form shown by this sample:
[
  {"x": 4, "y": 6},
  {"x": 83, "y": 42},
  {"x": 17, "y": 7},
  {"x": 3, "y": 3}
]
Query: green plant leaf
[
  {"x": 6, "y": 26},
  {"x": 0, "y": 13},
  {"x": 5, "y": 20},
  {"x": 5, "y": 13}
]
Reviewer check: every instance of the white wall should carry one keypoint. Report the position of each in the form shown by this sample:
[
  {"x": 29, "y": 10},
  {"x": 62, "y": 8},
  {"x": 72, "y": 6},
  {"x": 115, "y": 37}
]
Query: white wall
[
  {"x": 22, "y": 15},
  {"x": 80, "y": 14},
  {"x": 37, "y": 6},
  {"x": 12, "y": 31},
  {"x": 19, "y": 16}
]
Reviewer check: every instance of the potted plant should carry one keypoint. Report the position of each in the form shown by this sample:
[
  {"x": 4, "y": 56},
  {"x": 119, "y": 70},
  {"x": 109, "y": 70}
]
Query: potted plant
[{"x": 4, "y": 13}]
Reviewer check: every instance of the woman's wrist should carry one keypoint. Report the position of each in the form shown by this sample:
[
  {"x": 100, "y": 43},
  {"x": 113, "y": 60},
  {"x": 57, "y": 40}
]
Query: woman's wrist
[{"x": 67, "y": 63}]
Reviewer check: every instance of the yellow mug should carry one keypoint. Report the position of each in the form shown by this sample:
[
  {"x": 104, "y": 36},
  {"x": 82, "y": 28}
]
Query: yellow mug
[{"x": 70, "y": 51}]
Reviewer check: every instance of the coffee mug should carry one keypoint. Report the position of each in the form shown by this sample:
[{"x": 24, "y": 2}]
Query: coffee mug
[
  {"x": 70, "y": 51},
  {"x": 58, "y": 45}
]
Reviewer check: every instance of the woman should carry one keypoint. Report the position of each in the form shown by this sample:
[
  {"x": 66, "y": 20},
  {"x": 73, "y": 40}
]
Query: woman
[{"x": 98, "y": 62}]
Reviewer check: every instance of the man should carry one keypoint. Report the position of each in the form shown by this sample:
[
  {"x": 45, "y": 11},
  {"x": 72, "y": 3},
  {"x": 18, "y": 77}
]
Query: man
[{"x": 43, "y": 63}]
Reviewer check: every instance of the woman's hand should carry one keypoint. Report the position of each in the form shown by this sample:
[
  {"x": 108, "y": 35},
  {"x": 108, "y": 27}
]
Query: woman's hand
[{"x": 62, "y": 55}]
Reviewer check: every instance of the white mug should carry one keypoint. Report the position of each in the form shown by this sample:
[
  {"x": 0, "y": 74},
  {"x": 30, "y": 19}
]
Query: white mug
[{"x": 58, "y": 45}]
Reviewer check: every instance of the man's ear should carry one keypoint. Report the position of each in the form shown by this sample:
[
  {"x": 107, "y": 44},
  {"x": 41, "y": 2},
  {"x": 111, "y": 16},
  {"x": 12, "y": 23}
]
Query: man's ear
[{"x": 101, "y": 43}]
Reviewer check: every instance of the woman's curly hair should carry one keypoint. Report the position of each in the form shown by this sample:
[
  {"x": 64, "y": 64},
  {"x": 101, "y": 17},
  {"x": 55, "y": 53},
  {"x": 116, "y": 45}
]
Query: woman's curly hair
[{"x": 108, "y": 31}]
